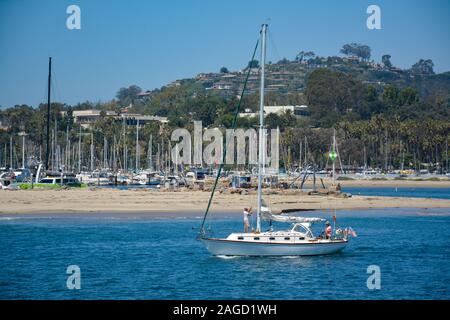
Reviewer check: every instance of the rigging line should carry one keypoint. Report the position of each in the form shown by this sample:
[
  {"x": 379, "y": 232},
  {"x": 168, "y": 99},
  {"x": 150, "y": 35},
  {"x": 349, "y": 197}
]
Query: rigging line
[
  {"x": 275, "y": 49},
  {"x": 339, "y": 157},
  {"x": 233, "y": 126},
  {"x": 45, "y": 92},
  {"x": 327, "y": 156},
  {"x": 55, "y": 92}
]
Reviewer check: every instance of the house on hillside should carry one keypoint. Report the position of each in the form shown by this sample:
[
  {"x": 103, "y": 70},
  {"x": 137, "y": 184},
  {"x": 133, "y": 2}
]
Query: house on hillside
[
  {"x": 298, "y": 111},
  {"x": 3, "y": 127},
  {"x": 86, "y": 118}
]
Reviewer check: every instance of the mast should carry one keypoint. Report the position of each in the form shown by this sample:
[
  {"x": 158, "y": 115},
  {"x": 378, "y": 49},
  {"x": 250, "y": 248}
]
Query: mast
[
  {"x": 333, "y": 162},
  {"x": 386, "y": 151},
  {"x": 126, "y": 158},
  {"x": 69, "y": 156},
  {"x": 261, "y": 125},
  {"x": 306, "y": 152},
  {"x": 58, "y": 157},
  {"x": 66, "y": 156},
  {"x": 23, "y": 151},
  {"x": 169, "y": 159},
  {"x": 48, "y": 112},
  {"x": 10, "y": 153},
  {"x": 137, "y": 147},
  {"x": 446, "y": 154},
  {"x": 149, "y": 152},
  {"x": 92, "y": 152},
  {"x": 124, "y": 144},
  {"x": 264, "y": 152},
  {"x": 79, "y": 151},
  {"x": 158, "y": 158},
  {"x": 176, "y": 160},
  {"x": 105, "y": 153},
  {"x": 403, "y": 156},
  {"x": 114, "y": 166},
  {"x": 300, "y": 156},
  {"x": 55, "y": 142},
  {"x": 23, "y": 148},
  {"x": 162, "y": 156},
  {"x": 365, "y": 159}
]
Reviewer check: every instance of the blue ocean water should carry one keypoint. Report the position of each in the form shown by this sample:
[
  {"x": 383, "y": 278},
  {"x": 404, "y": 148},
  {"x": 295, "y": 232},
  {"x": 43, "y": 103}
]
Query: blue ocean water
[
  {"x": 435, "y": 193},
  {"x": 137, "y": 257}
]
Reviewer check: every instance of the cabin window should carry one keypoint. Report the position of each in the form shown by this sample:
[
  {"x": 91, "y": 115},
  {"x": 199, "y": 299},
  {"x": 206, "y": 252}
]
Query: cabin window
[
  {"x": 272, "y": 238},
  {"x": 240, "y": 238},
  {"x": 287, "y": 238},
  {"x": 301, "y": 238},
  {"x": 256, "y": 238}
]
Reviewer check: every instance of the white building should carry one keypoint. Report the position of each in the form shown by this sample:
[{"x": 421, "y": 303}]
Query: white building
[
  {"x": 87, "y": 117},
  {"x": 298, "y": 111}
]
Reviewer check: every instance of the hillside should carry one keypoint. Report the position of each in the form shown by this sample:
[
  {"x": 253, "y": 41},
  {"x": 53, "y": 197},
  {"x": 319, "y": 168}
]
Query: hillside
[{"x": 288, "y": 76}]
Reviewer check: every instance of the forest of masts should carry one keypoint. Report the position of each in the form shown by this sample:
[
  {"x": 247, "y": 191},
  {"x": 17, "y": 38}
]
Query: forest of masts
[{"x": 121, "y": 147}]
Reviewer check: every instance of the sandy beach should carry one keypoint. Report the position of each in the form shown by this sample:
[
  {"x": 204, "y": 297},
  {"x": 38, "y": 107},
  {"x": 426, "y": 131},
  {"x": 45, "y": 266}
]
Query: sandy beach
[{"x": 98, "y": 200}]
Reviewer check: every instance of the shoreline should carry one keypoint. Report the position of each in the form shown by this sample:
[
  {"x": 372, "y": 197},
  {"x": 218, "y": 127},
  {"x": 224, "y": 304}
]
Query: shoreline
[
  {"x": 371, "y": 183},
  {"x": 153, "y": 201},
  {"x": 395, "y": 183}
]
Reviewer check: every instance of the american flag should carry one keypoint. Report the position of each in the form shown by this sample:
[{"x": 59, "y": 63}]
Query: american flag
[{"x": 351, "y": 232}]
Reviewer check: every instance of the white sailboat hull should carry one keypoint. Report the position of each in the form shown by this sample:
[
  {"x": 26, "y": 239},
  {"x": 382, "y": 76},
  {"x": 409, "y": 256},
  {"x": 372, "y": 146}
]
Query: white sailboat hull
[{"x": 224, "y": 247}]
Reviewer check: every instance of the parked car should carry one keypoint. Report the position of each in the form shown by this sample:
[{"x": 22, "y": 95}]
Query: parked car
[{"x": 66, "y": 181}]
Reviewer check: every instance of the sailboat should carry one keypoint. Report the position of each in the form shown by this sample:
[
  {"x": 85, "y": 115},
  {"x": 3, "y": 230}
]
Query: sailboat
[{"x": 298, "y": 240}]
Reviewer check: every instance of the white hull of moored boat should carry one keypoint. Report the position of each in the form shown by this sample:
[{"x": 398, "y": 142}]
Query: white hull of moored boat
[{"x": 224, "y": 247}]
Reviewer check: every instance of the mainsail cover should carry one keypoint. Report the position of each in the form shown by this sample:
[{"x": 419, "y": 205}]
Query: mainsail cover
[{"x": 267, "y": 215}]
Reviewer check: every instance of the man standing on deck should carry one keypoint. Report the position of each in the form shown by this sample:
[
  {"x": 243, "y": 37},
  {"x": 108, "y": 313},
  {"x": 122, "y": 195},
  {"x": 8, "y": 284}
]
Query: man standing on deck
[
  {"x": 247, "y": 213},
  {"x": 328, "y": 230}
]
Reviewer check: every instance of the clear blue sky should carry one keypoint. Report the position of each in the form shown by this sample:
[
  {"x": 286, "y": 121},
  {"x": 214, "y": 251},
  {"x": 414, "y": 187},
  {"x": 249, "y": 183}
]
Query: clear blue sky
[{"x": 150, "y": 43}]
